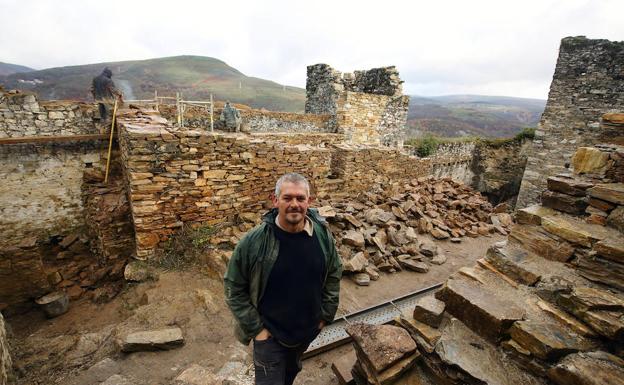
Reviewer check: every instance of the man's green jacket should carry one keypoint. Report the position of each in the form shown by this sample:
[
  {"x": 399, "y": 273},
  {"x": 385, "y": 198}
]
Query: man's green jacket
[{"x": 250, "y": 266}]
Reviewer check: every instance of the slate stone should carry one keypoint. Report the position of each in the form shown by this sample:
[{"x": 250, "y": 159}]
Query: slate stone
[
  {"x": 428, "y": 248},
  {"x": 508, "y": 260},
  {"x": 353, "y": 238},
  {"x": 540, "y": 242},
  {"x": 164, "y": 339},
  {"x": 413, "y": 265},
  {"x": 592, "y": 368},
  {"x": 361, "y": 279},
  {"x": 482, "y": 310},
  {"x": 380, "y": 346},
  {"x": 548, "y": 341},
  {"x": 610, "y": 192},
  {"x": 196, "y": 375},
  {"x": 566, "y": 203},
  {"x": 568, "y": 186},
  {"x": 429, "y": 310}
]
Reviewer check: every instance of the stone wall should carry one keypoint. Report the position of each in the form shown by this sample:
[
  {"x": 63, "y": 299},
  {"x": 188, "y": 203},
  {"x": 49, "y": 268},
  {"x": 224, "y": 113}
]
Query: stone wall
[
  {"x": 5, "y": 357},
  {"x": 21, "y": 114},
  {"x": 311, "y": 139},
  {"x": 253, "y": 120},
  {"x": 497, "y": 169},
  {"x": 186, "y": 176},
  {"x": 368, "y": 106},
  {"x": 587, "y": 83},
  {"x": 41, "y": 187},
  {"x": 179, "y": 177}
]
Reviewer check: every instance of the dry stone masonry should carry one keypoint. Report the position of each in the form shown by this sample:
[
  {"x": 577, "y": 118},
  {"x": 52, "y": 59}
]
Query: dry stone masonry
[
  {"x": 367, "y": 106},
  {"x": 21, "y": 114},
  {"x": 587, "y": 83}
]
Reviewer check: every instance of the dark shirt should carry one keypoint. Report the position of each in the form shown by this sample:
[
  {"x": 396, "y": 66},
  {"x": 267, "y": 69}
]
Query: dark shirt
[
  {"x": 290, "y": 307},
  {"x": 103, "y": 88}
]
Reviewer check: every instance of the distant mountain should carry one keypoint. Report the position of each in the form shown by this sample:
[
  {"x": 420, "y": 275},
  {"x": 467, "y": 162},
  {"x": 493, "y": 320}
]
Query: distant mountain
[
  {"x": 8, "y": 69},
  {"x": 472, "y": 115},
  {"x": 196, "y": 77}
]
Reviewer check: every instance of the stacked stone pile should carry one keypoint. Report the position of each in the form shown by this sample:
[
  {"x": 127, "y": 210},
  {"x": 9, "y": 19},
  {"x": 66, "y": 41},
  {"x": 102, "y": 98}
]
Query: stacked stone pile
[
  {"x": 21, "y": 114},
  {"x": 385, "y": 229},
  {"x": 546, "y": 306},
  {"x": 384, "y": 353}
]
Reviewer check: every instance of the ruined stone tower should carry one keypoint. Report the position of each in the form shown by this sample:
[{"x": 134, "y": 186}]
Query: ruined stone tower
[
  {"x": 588, "y": 82},
  {"x": 368, "y": 106}
]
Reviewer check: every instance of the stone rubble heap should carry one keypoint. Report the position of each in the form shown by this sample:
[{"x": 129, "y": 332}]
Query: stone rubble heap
[
  {"x": 384, "y": 230},
  {"x": 544, "y": 307},
  {"x": 5, "y": 357}
]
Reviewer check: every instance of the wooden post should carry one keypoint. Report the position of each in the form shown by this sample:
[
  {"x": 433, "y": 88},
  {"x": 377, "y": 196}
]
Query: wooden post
[
  {"x": 110, "y": 142},
  {"x": 182, "y": 107},
  {"x": 211, "y": 114},
  {"x": 156, "y": 100}
]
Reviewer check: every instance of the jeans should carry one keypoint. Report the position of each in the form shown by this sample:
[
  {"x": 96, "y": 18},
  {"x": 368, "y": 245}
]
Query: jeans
[{"x": 276, "y": 364}]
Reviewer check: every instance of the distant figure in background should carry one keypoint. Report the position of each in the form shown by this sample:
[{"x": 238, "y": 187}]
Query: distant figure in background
[
  {"x": 230, "y": 116},
  {"x": 104, "y": 92}
]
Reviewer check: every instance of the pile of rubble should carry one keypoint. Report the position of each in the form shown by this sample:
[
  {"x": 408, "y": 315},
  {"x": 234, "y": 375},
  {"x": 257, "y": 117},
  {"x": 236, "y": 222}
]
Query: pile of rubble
[
  {"x": 386, "y": 231},
  {"x": 546, "y": 306}
]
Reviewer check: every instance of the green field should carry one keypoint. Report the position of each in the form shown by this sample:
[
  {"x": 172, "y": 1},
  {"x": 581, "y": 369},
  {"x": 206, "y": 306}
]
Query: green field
[{"x": 196, "y": 77}]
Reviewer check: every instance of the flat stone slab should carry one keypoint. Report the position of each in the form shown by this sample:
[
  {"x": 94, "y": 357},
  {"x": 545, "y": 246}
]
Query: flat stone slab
[
  {"x": 548, "y": 341},
  {"x": 610, "y": 192},
  {"x": 568, "y": 186},
  {"x": 512, "y": 262},
  {"x": 429, "y": 310},
  {"x": 164, "y": 339},
  {"x": 563, "y": 202},
  {"x": 425, "y": 335},
  {"x": 477, "y": 359},
  {"x": 380, "y": 346},
  {"x": 593, "y": 368},
  {"x": 479, "y": 308},
  {"x": 342, "y": 368},
  {"x": 196, "y": 375},
  {"x": 540, "y": 242},
  {"x": 413, "y": 265},
  {"x": 533, "y": 215},
  {"x": 612, "y": 249}
]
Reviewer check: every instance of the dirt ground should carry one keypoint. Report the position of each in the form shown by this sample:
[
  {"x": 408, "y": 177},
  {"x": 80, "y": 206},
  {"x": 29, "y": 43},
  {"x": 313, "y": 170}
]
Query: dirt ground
[{"x": 66, "y": 349}]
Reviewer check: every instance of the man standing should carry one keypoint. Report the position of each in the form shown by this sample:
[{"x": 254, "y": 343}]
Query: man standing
[
  {"x": 230, "y": 116},
  {"x": 104, "y": 92},
  {"x": 283, "y": 281}
]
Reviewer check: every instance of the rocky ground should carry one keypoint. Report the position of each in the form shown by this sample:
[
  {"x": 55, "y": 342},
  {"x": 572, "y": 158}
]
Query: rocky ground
[{"x": 84, "y": 346}]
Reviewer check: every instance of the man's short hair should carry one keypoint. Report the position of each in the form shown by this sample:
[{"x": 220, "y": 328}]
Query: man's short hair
[{"x": 291, "y": 177}]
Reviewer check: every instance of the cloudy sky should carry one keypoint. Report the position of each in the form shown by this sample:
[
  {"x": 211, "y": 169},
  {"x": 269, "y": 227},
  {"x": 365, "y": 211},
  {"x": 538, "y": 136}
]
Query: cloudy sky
[{"x": 440, "y": 47}]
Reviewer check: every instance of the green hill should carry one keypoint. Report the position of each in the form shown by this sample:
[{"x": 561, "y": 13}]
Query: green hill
[
  {"x": 472, "y": 115},
  {"x": 196, "y": 77},
  {"x": 8, "y": 68}
]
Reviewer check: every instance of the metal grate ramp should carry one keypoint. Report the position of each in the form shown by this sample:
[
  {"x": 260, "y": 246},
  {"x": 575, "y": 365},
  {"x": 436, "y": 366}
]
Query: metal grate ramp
[{"x": 335, "y": 335}]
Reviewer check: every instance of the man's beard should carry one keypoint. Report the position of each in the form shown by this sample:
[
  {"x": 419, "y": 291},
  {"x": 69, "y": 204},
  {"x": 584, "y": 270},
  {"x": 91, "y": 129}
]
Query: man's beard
[{"x": 297, "y": 219}]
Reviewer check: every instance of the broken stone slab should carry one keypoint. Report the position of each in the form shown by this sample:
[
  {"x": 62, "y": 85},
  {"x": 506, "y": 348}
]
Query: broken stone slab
[
  {"x": 480, "y": 309},
  {"x": 610, "y": 192},
  {"x": 439, "y": 259},
  {"x": 164, "y": 339},
  {"x": 439, "y": 234},
  {"x": 590, "y": 160},
  {"x": 327, "y": 211},
  {"x": 428, "y": 248},
  {"x": 388, "y": 376},
  {"x": 361, "y": 279},
  {"x": 540, "y": 242},
  {"x": 103, "y": 370},
  {"x": 602, "y": 310},
  {"x": 353, "y": 238},
  {"x": 196, "y": 375},
  {"x": 54, "y": 304},
  {"x": 568, "y": 186},
  {"x": 600, "y": 270},
  {"x": 139, "y": 271},
  {"x": 425, "y": 335},
  {"x": 566, "y": 319},
  {"x": 567, "y": 230},
  {"x": 429, "y": 310},
  {"x": 380, "y": 346},
  {"x": 566, "y": 203},
  {"x": 356, "y": 264},
  {"x": 342, "y": 368},
  {"x": 533, "y": 215},
  {"x": 591, "y": 368},
  {"x": 509, "y": 261},
  {"x": 353, "y": 220},
  {"x": 616, "y": 219},
  {"x": 611, "y": 249},
  {"x": 470, "y": 359},
  {"x": 548, "y": 341},
  {"x": 408, "y": 263}
]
